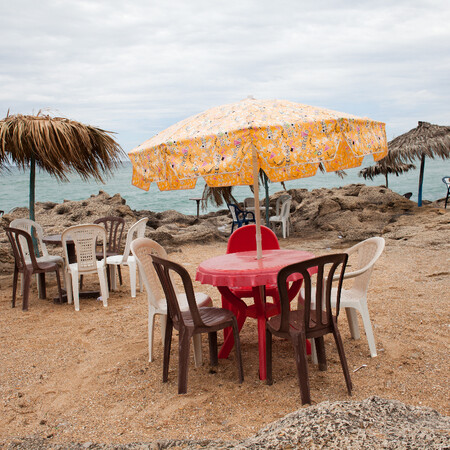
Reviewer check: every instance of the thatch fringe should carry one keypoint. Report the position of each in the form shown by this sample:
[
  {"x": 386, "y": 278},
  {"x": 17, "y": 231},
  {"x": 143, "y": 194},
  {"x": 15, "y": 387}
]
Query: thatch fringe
[{"x": 58, "y": 145}]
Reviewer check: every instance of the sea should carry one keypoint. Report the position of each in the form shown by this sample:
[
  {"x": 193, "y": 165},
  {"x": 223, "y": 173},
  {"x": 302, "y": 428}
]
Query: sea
[{"x": 14, "y": 187}]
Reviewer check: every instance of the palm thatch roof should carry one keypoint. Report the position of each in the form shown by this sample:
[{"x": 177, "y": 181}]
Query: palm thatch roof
[
  {"x": 384, "y": 167},
  {"x": 58, "y": 146},
  {"x": 425, "y": 140}
]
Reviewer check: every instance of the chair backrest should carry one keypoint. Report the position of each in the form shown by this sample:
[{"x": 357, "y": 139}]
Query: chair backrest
[
  {"x": 367, "y": 253},
  {"x": 249, "y": 202},
  {"x": 279, "y": 202},
  {"x": 22, "y": 247},
  {"x": 114, "y": 229},
  {"x": 143, "y": 249},
  {"x": 28, "y": 225},
  {"x": 137, "y": 230},
  {"x": 244, "y": 239},
  {"x": 285, "y": 208},
  {"x": 324, "y": 270},
  {"x": 85, "y": 237},
  {"x": 165, "y": 270}
]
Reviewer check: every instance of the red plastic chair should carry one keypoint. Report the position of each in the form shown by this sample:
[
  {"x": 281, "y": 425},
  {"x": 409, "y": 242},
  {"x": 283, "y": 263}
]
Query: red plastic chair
[{"x": 242, "y": 240}]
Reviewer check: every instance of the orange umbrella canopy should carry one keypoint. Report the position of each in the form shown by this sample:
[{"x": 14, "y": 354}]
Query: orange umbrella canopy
[{"x": 290, "y": 140}]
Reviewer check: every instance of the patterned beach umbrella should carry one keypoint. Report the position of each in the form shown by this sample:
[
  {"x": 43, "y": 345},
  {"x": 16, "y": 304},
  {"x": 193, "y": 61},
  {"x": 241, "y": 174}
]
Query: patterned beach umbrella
[{"x": 228, "y": 145}]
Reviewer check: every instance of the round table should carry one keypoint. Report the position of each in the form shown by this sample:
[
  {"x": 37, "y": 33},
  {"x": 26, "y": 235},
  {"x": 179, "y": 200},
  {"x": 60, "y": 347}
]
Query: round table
[{"x": 243, "y": 269}]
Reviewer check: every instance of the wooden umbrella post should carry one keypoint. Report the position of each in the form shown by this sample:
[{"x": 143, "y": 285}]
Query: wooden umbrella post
[{"x": 256, "y": 195}]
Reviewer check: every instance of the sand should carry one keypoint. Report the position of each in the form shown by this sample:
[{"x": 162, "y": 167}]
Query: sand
[{"x": 84, "y": 376}]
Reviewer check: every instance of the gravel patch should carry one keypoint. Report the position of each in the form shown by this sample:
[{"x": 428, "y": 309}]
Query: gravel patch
[{"x": 372, "y": 423}]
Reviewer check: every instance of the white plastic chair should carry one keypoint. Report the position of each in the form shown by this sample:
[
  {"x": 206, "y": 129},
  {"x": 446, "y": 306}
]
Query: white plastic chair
[
  {"x": 136, "y": 230},
  {"x": 85, "y": 239},
  {"x": 282, "y": 215},
  {"x": 142, "y": 249},
  {"x": 28, "y": 225},
  {"x": 355, "y": 298}
]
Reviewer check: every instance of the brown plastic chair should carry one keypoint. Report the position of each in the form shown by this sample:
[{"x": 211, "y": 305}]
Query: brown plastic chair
[
  {"x": 114, "y": 227},
  {"x": 25, "y": 263},
  {"x": 305, "y": 322},
  {"x": 194, "y": 321}
]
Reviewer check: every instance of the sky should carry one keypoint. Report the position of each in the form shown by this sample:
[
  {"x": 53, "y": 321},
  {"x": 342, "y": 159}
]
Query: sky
[{"x": 136, "y": 67}]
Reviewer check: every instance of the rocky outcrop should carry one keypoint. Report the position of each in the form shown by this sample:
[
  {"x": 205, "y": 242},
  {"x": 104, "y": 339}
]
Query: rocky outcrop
[{"x": 350, "y": 213}]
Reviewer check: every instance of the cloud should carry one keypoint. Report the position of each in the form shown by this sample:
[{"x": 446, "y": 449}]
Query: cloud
[{"x": 136, "y": 67}]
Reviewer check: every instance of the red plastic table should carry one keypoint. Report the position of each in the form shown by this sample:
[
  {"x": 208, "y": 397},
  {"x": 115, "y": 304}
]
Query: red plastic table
[{"x": 242, "y": 269}]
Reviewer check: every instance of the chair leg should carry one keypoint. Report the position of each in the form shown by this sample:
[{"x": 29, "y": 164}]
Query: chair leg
[
  {"x": 75, "y": 291},
  {"x": 58, "y": 282},
  {"x": 197, "y": 341},
  {"x": 321, "y": 355},
  {"x": 102, "y": 271},
  {"x": 119, "y": 271},
  {"x": 132, "y": 269},
  {"x": 237, "y": 346},
  {"x": 14, "y": 292},
  {"x": 26, "y": 290},
  {"x": 269, "y": 357},
  {"x": 213, "y": 354},
  {"x": 167, "y": 345},
  {"x": 68, "y": 285},
  {"x": 112, "y": 281},
  {"x": 314, "y": 352},
  {"x": 40, "y": 281},
  {"x": 151, "y": 327},
  {"x": 299, "y": 344},
  {"x": 352, "y": 320},
  {"x": 368, "y": 329},
  {"x": 340, "y": 348},
  {"x": 184, "y": 341}
]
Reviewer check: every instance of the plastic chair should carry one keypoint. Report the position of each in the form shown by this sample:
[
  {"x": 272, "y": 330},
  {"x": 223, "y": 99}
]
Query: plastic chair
[
  {"x": 28, "y": 226},
  {"x": 114, "y": 227},
  {"x": 282, "y": 215},
  {"x": 240, "y": 217},
  {"x": 244, "y": 239},
  {"x": 137, "y": 230},
  {"x": 85, "y": 239},
  {"x": 306, "y": 322},
  {"x": 191, "y": 322},
  {"x": 446, "y": 180},
  {"x": 26, "y": 263},
  {"x": 354, "y": 298},
  {"x": 142, "y": 249}
]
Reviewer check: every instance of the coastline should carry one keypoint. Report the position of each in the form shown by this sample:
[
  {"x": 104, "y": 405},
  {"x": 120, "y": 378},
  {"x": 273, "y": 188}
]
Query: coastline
[{"x": 84, "y": 377}]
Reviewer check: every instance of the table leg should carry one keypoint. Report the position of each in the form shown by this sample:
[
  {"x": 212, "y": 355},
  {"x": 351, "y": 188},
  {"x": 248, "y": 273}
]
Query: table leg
[
  {"x": 260, "y": 297},
  {"x": 238, "y": 307}
]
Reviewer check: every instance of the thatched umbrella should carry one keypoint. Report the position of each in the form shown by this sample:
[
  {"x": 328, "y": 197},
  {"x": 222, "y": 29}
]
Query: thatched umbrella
[
  {"x": 425, "y": 140},
  {"x": 385, "y": 167},
  {"x": 57, "y": 145}
]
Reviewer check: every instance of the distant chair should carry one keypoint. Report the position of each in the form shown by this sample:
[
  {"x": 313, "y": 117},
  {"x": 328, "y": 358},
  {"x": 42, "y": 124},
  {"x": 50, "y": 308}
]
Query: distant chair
[
  {"x": 114, "y": 227},
  {"x": 85, "y": 238},
  {"x": 446, "y": 180},
  {"x": 283, "y": 207},
  {"x": 240, "y": 217},
  {"x": 137, "y": 230},
  {"x": 142, "y": 249},
  {"x": 26, "y": 263}
]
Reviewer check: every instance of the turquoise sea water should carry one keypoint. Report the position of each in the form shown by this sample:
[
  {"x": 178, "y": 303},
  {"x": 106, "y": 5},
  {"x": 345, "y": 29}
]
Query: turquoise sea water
[{"x": 14, "y": 187}]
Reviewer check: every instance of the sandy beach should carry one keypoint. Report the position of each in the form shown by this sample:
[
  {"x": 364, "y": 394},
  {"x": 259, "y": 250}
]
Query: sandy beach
[{"x": 84, "y": 376}]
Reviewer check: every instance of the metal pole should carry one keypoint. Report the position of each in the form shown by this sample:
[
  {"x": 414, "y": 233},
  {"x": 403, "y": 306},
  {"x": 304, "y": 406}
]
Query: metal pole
[{"x": 422, "y": 169}]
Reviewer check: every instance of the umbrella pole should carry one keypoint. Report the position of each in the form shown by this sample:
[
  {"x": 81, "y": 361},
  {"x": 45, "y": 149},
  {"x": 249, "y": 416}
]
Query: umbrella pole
[
  {"x": 257, "y": 211},
  {"x": 32, "y": 202},
  {"x": 422, "y": 169}
]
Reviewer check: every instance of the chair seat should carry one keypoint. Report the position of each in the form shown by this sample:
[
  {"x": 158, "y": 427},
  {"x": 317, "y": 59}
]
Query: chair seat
[
  {"x": 74, "y": 266},
  {"x": 210, "y": 316},
  {"x": 118, "y": 259},
  {"x": 296, "y": 321}
]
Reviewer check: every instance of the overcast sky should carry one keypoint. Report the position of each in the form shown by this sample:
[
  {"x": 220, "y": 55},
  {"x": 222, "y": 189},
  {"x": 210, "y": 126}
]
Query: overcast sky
[{"x": 135, "y": 67}]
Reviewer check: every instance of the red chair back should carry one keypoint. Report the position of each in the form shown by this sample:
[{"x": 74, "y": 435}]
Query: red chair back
[{"x": 244, "y": 239}]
